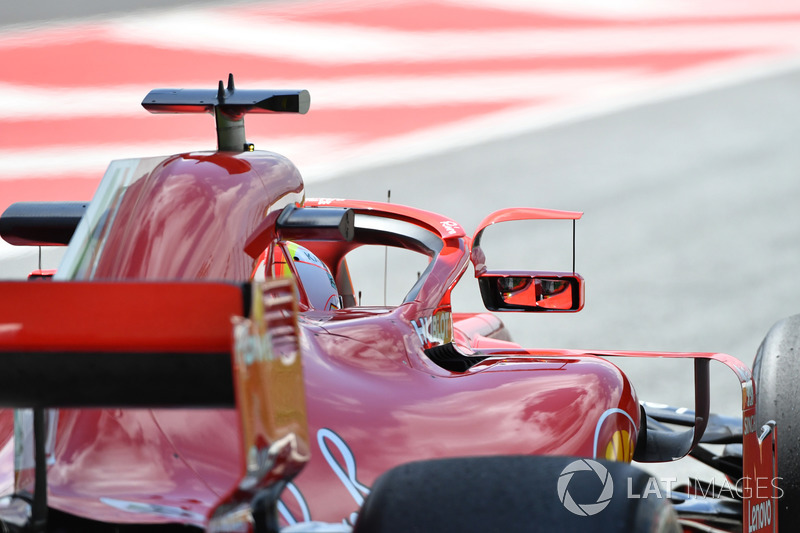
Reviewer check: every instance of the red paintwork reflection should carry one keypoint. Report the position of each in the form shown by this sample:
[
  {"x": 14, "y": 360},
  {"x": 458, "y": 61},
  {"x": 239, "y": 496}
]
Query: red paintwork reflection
[
  {"x": 124, "y": 456},
  {"x": 368, "y": 382},
  {"x": 190, "y": 218}
]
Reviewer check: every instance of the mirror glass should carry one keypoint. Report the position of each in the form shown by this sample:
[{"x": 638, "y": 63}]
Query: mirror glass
[{"x": 549, "y": 293}]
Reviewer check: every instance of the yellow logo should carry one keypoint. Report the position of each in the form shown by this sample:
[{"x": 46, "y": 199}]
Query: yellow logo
[{"x": 620, "y": 448}]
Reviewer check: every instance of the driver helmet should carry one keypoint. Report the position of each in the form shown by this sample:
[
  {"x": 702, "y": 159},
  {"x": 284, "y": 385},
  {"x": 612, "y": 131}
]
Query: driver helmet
[{"x": 315, "y": 277}]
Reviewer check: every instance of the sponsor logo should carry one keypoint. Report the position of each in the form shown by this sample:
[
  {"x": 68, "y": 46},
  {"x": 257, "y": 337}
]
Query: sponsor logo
[
  {"x": 748, "y": 397},
  {"x": 434, "y": 330},
  {"x": 254, "y": 347},
  {"x": 620, "y": 447},
  {"x": 450, "y": 227},
  {"x": 342, "y": 462},
  {"x": 760, "y": 516},
  {"x": 749, "y": 424},
  {"x": 154, "y": 509},
  {"x": 620, "y": 444}
]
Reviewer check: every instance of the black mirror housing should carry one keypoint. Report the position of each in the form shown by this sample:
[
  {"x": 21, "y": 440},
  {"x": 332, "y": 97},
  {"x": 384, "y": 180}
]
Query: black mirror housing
[{"x": 533, "y": 292}]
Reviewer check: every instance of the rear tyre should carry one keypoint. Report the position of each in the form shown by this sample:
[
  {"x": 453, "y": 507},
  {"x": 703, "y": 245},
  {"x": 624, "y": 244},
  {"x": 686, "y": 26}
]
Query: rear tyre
[
  {"x": 516, "y": 494},
  {"x": 776, "y": 372}
]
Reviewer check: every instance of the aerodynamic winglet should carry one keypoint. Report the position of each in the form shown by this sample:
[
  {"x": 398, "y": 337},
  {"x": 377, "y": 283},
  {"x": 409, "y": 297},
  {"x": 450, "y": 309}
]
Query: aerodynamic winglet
[
  {"x": 41, "y": 223},
  {"x": 228, "y": 105}
]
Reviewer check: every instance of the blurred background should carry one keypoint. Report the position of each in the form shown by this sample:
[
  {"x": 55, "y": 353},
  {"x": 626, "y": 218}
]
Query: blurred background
[{"x": 672, "y": 124}]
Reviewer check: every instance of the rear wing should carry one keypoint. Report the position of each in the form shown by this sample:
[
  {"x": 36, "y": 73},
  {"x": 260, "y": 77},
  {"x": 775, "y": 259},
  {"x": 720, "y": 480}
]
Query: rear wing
[
  {"x": 164, "y": 344},
  {"x": 96, "y": 344}
]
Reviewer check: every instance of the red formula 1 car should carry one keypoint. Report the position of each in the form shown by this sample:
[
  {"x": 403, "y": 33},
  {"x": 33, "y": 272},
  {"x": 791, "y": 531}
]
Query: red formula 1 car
[{"x": 201, "y": 359}]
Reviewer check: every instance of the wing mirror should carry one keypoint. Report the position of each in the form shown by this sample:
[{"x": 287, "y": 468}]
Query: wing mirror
[
  {"x": 538, "y": 292},
  {"x": 527, "y": 291}
]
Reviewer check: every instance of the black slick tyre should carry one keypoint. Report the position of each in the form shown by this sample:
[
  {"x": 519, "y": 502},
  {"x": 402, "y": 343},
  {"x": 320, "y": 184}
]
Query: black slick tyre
[
  {"x": 776, "y": 372},
  {"x": 515, "y": 494}
]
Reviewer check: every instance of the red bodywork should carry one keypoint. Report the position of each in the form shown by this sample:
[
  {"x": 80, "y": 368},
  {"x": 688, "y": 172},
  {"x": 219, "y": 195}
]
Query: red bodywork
[{"x": 374, "y": 395}]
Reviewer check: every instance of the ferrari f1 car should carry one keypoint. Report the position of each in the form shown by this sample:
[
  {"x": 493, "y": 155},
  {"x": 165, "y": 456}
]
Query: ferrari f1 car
[{"x": 202, "y": 360}]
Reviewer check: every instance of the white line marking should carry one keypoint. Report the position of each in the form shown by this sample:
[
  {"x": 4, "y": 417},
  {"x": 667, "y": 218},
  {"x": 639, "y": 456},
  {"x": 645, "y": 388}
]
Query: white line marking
[
  {"x": 343, "y": 44},
  {"x": 327, "y": 156}
]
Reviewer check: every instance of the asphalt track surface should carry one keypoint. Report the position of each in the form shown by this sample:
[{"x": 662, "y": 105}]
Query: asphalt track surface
[{"x": 689, "y": 240}]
